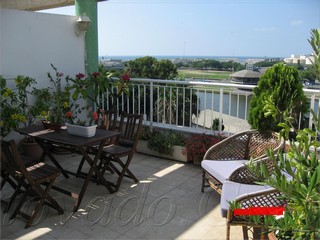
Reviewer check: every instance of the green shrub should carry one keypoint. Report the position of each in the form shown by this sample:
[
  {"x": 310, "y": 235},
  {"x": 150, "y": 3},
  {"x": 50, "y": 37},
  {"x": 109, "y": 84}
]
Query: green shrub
[
  {"x": 301, "y": 190},
  {"x": 281, "y": 87},
  {"x": 163, "y": 142}
]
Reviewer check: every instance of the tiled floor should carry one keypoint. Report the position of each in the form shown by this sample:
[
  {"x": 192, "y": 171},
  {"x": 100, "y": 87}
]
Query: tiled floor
[{"x": 166, "y": 204}]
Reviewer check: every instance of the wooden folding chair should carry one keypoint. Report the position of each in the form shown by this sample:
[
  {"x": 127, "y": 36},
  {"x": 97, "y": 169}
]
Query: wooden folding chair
[
  {"x": 109, "y": 122},
  {"x": 9, "y": 175},
  {"x": 31, "y": 178},
  {"x": 124, "y": 146}
]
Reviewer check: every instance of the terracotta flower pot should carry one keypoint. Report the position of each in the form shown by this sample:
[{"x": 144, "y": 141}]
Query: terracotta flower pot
[
  {"x": 31, "y": 149},
  {"x": 52, "y": 126}
]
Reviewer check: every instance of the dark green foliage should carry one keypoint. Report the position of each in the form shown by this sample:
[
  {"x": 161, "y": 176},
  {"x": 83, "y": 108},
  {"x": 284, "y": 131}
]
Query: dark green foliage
[
  {"x": 301, "y": 189},
  {"x": 212, "y": 65},
  {"x": 309, "y": 73},
  {"x": 281, "y": 87},
  {"x": 42, "y": 101},
  {"x": 181, "y": 99},
  {"x": 150, "y": 67},
  {"x": 216, "y": 124},
  {"x": 163, "y": 143}
]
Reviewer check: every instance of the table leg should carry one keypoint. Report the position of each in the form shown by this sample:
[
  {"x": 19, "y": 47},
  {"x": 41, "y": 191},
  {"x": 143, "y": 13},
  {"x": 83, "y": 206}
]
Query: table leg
[{"x": 93, "y": 168}]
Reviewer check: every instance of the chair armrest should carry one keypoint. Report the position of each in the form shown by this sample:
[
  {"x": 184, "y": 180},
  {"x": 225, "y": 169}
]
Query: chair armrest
[
  {"x": 243, "y": 174},
  {"x": 264, "y": 198}
]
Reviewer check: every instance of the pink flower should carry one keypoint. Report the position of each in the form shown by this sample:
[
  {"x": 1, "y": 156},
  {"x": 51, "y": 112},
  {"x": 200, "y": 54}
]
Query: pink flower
[
  {"x": 95, "y": 74},
  {"x": 80, "y": 76},
  {"x": 125, "y": 77},
  {"x": 60, "y": 74}
]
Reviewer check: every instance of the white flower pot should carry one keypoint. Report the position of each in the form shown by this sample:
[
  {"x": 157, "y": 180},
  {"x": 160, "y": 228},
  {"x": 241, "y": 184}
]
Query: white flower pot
[{"x": 83, "y": 131}]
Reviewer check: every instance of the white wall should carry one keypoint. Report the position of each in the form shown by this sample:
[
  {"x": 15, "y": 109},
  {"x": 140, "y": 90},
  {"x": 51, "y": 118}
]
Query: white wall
[{"x": 30, "y": 41}]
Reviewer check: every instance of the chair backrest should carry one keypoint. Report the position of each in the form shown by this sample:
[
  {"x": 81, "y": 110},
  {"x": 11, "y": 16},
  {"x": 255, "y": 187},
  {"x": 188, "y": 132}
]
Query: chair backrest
[
  {"x": 15, "y": 163},
  {"x": 110, "y": 120},
  {"x": 259, "y": 142},
  {"x": 247, "y": 145},
  {"x": 130, "y": 126}
]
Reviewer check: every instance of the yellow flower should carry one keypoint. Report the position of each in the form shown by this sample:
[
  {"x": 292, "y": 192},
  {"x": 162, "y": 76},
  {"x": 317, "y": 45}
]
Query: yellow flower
[
  {"x": 65, "y": 104},
  {"x": 23, "y": 119},
  {"x": 18, "y": 117}
]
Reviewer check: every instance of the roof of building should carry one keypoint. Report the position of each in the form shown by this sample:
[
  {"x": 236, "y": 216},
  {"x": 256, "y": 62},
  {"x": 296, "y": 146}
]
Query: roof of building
[
  {"x": 247, "y": 74},
  {"x": 35, "y": 5}
]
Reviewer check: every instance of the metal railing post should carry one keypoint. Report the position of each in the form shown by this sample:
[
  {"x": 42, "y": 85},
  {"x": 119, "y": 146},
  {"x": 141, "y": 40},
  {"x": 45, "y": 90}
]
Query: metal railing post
[{"x": 151, "y": 104}]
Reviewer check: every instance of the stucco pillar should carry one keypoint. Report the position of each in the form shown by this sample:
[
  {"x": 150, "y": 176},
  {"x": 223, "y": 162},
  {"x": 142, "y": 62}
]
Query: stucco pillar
[{"x": 89, "y": 7}]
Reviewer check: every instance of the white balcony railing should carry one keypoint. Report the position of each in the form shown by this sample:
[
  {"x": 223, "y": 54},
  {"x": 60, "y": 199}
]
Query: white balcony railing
[{"x": 224, "y": 101}]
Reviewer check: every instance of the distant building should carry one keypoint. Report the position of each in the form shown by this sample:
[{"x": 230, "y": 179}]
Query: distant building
[
  {"x": 299, "y": 59},
  {"x": 248, "y": 76}
]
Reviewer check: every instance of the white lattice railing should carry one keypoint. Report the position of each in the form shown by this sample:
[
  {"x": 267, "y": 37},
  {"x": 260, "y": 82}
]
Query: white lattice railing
[{"x": 227, "y": 102}]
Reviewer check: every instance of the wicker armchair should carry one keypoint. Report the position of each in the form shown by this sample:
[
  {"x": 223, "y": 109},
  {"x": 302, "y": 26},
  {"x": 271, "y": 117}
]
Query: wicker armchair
[
  {"x": 268, "y": 197},
  {"x": 227, "y": 159}
]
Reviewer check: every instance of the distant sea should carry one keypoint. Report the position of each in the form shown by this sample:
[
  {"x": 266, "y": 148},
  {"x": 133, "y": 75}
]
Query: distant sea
[{"x": 220, "y": 58}]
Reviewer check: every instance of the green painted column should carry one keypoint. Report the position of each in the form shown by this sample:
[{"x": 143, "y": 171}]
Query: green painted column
[{"x": 89, "y": 7}]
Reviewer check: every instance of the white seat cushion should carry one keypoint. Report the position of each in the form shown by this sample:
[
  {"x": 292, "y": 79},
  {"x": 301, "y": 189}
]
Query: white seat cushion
[
  {"x": 232, "y": 190},
  {"x": 221, "y": 170}
]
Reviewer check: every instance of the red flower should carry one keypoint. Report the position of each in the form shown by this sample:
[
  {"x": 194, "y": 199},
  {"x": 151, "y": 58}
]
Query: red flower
[
  {"x": 95, "y": 74},
  {"x": 125, "y": 77},
  {"x": 197, "y": 145},
  {"x": 80, "y": 76},
  {"x": 95, "y": 116},
  {"x": 69, "y": 114}
]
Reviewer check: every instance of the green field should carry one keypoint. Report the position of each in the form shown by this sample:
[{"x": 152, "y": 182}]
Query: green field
[{"x": 206, "y": 74}]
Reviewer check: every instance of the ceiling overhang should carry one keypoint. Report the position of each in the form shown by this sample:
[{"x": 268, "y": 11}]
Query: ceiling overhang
[{"x": 36, "y": 5}]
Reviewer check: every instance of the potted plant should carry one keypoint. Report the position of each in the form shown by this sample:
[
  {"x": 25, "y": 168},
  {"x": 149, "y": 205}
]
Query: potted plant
[
  {"x": 16, "y": 111},
  {"x": 41, "y": 105},
  {"x": 82, "y": 128},
  {"x": 162, "y": 144},
  {"x": 216, "y": 124},
  {"x": 197, "y": 144},
  {"x": 93, "y": 87}
]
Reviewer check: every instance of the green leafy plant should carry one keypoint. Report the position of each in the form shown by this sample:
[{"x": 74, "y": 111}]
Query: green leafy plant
[
  {"x": 61, "y": 101},
  {"x": 216, "y": 124},
  {"x": 60, "y": 96},
  {"x": 163, "y": 143},
  {"x": 93, "y": 87},
  {"x": 10, "y": 111},
  {"x": 315, "y": 44},
  {"x": 41, "y": 105},
  {"x": 280, "y": 87},
  {"x": 22, "y": 84},
  {"x": 297, "y": 177}
]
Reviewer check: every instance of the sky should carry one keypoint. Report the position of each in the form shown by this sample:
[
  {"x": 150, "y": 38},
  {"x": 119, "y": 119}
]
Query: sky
[{"x": 260, "y": 28}]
